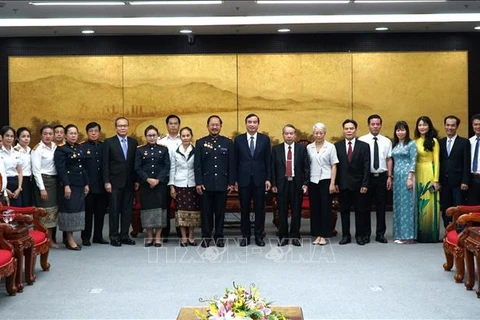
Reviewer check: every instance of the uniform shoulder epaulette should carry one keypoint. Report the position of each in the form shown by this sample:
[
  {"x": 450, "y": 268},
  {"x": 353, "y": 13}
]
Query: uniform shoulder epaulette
[
  {"x": 35, "y": 148},
  {"x": 61, "y": 144},
  {"x": 83, "y": 142},
  {"x": 100, "y": 141},
  {"x": 143, "y": 145},
  {"x": 17, "y": 148}
]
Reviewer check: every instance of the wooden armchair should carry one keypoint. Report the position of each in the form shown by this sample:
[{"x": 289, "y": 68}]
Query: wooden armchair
[
  {"x": 452, "y": 243},
  {"x": 38, "y": 233},
  {"x": 8, "y": 263}
]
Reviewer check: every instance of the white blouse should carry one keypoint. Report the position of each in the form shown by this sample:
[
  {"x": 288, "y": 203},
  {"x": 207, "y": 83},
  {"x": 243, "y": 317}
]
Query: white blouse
[
  {"x": 321, "y": 162},
  {"x": 11, "y": 159},
  {"x": 26, "y": 160},
  {"x": 181, "y": 168},
  {"x": 42, "y": 162}
]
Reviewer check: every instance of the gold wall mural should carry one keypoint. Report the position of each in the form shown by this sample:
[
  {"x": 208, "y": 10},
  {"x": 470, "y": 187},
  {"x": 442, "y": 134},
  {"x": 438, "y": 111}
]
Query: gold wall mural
[{"x": 281, "y": 88}]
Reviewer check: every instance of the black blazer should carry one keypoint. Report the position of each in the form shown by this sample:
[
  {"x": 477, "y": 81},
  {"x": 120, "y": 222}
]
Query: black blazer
[
  {"x": 116, "y": 170},
  {"x": 70, "y": 164},
  {"x": 301, "y": 166},
  {"x": 356, "y": 174},
  {"x": 258, "y": 166},
  {"x": 455, "y": 169}
]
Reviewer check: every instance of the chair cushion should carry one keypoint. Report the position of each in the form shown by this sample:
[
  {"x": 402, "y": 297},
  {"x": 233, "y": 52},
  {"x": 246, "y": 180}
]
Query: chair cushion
[
  {"x": 5, "y": 257},
  {"x": 452, "y": 237},
  {"x": 38, "y": 236},
  {"x": 305, "y": 203}
]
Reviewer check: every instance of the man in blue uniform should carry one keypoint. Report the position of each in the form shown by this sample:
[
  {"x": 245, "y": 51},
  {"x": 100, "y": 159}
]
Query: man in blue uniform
[
  {"x": 96, "y": 200},
  {"x": 214, "y": 176}
]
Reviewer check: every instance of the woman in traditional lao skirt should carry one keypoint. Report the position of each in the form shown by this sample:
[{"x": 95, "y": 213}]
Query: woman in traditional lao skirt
[
  {"x": 427, "y": 177},
  {"x": 152, "y": 165},
  {"x": 70, "y": 163},
  {"x": 45, "y": 174},
  {"x": 182, "y": 188},
  {"x": 23, "y": 139}
]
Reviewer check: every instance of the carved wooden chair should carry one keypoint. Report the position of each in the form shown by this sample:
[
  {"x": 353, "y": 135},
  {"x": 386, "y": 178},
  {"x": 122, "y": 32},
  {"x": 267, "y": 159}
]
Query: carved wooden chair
[
  {"x": 452, "y": 243},
  {"x": 8, "y": 263},
  {"x": 38, "y": 233}
]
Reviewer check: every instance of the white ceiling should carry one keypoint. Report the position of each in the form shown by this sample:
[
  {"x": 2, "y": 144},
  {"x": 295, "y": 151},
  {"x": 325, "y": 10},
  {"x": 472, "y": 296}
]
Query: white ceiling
[{"x": 232, "y": 10}]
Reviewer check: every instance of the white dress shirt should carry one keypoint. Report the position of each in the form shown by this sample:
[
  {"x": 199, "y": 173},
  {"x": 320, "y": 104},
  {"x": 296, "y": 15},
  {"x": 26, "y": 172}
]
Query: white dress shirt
[
  {"x": 26, "y": 159},
  {"x": 321, "y": 162},
  {"x": 42, "y": 162},
  {"x": 384, "y": 151},
  {"x": 4, "y": 178},
  {"x": 169, "y": 142},
  {"x": 254, "y": 139},
  {"x": 11, "y": 160},
  {"x": 293, "y": 156},
  {"x": 181, "y": 168}
]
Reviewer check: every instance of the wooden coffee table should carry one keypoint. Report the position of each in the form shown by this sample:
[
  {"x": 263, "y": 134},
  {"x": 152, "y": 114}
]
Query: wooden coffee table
[{"x": 471, "y": 237}]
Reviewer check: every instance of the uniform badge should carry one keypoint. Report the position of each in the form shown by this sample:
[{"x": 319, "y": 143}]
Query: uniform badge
[
  {"x": 145, "y": 153},
  {"x": 88, "y": 151}
]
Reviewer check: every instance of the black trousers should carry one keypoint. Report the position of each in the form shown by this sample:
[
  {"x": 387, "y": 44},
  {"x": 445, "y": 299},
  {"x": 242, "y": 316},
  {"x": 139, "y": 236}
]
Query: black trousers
[
  {"x": 213, "y": 203},
  {"x": 377, "y": 193},
  {"x": 320, "y": 208},
  {"x": 450, "y": 196},
  {"x": 291, "y": 198},
  {"x": 95, "y": 208},
  {"x": 246, "y": 195},
  {"x": 12, "y": 185},
  {"x": 358, "y": 201},
  {"x": 473, "y": 197},
  {"x": 27, "y": 193},
  {"x": 121, "y": 202}
]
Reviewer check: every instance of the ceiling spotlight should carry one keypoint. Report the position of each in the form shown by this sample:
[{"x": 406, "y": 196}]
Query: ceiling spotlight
[
  {"x": 88, "y": 31},
  {"x": 283, "y": 30},
  {"x": 185, "y": 31},
  {"x": 174, "y": 2},
  {"x": 381, "y": 28}
]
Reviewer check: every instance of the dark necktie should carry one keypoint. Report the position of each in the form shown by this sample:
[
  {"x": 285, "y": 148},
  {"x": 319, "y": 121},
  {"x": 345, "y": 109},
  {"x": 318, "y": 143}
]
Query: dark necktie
[
  {"x": 252, "y": 146},
  {"x": 376, "y": 157},
  {"x": 475, "y": 157},
  {"x": 289, "y": 162},
  {"x": 349, "y": 152},
  {"x": 124, "y": 147}
]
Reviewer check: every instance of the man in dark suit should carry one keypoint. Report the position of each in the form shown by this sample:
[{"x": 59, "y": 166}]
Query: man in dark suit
[
  {"x": 96, "y": 199},
  {"x": 252, "y": 162},
  {"x": 214, "y": 176},
  {"x": 119, "y": 179},
  {"x": 353, "y": 177},
  {"x": 290, "y": 174},
  {"x": 454, "y": 167}
]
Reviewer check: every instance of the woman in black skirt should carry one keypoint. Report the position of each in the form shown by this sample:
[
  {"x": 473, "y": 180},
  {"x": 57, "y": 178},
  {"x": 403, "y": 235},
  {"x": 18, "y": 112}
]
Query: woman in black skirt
[
  {"x": 13, "y": 166},
  {"x": 23, "y": 148},
  {"x": 69, "y": 161},
  {"x": 152, "y": 166}
]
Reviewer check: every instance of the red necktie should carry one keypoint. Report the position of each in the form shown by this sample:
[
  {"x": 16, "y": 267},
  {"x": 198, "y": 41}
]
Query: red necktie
[
  {"x": 349, "y": 152},
  {"x": 289, "y": 162}
]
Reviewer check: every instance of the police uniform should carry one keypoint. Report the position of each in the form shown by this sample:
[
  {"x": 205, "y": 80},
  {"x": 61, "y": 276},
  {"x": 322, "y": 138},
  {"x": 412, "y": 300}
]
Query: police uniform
[
  {"x": 153, "y": 161},
  {"x": 70, "y": 163},
  {"x": 214, "y": 161},
  {"x": 27, "y": 183},
  {"x": 96, "y": 199}
]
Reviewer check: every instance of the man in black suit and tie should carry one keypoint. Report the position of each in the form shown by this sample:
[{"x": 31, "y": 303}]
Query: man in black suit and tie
[
  {"x": 214, "y": 176},
  {"x": 290, "y": 175},
  {"x": 252, "y": 162},
  {"x": 454, "y": 167},
  {"x": 119, "y": 178},
  {"x": 353, "y": 177}
]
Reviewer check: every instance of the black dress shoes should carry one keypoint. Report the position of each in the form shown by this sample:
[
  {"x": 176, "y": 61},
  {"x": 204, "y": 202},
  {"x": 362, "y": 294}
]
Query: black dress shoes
[
  {"x": 360, "y": 241},
  {"x": 245, "y": 242},
  {"x": 366, "y": 239},
  {"x": 296, "y": 242},
  {"x": 282, "y": 242},
  {"x": 259, "y": 242},
  {"x": 100, "y": 241},
  {"x": 205, "y": 243},
  {"x": 345, "y": 240},
  {"x": 86, "y": 243},
  {"x": 128, "y": 241},
  {"x": 116, "y": 243},
  {"x": 381, "y": 239},
  {"x": 148, "y": 244},
  {"x": 220, "y": 243}
]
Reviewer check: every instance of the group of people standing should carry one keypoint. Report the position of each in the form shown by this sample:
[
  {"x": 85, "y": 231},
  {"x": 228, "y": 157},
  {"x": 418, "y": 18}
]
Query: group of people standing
[{"x": 76, "y": 182}]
